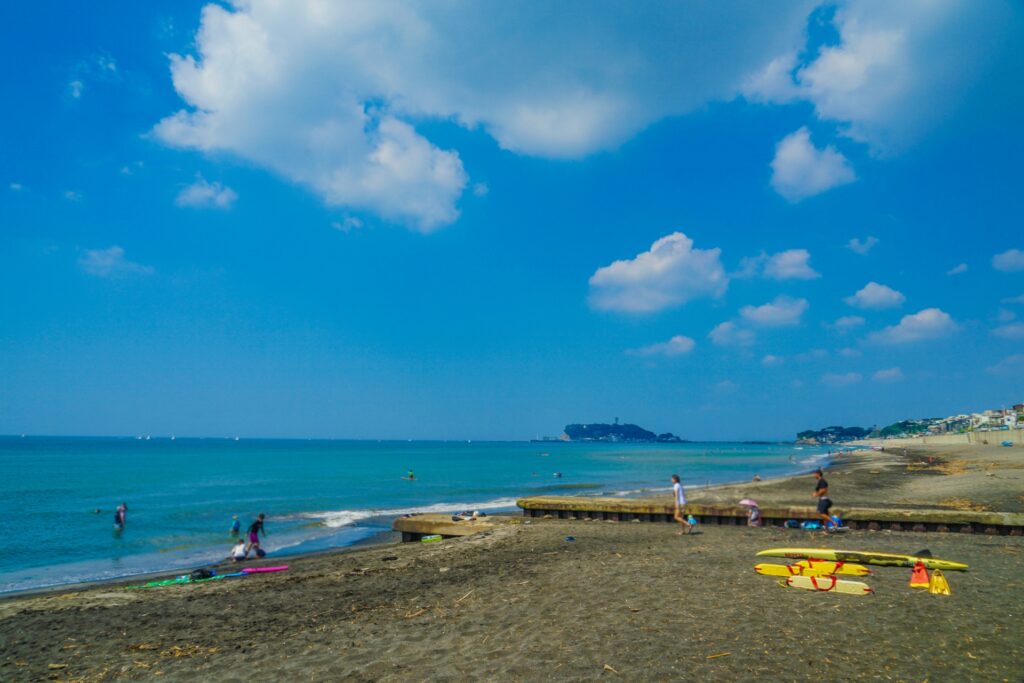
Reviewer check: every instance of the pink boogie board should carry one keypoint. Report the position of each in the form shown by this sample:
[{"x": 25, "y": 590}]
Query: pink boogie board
[{"x": 260, "y": 570}]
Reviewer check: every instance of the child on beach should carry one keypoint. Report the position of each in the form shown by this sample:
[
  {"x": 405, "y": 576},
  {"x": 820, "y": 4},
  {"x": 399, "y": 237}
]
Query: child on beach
[
  {"x": 680, "y": 502},
  {"x": 238, "y": 552},
  {"x": 254, "y": 535},
  {"x": 754, "y": 516},
  {"x": 236, "y": 526}
]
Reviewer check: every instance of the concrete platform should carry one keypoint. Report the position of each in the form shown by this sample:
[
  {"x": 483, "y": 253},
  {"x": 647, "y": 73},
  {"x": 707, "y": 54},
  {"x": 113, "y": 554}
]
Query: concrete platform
[
  {"x": 660, "y": 510},
  {"x": 416, "y": 527}
]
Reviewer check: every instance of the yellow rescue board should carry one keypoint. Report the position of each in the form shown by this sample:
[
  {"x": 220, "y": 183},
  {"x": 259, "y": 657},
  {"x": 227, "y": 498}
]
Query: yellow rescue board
[
  {"x": 863, "y": 557},
  {"x": 829, "y": 567},
  {"x": 818, "y": 568},
  {"x": 828, "y": 584}
]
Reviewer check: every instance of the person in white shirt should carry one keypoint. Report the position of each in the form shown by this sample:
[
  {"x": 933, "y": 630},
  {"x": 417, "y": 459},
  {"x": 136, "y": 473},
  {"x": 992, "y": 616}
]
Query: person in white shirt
[
  {"x": 238, "y": 551},
  {"x": 680, "y": 503}
]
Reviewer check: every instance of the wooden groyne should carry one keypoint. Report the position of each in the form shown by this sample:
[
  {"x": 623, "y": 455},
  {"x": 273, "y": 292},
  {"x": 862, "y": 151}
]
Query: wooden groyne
[{"x": 654, "y": 510}]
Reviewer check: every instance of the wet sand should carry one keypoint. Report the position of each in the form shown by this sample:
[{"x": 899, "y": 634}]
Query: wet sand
[{"x": 627, "y": 601}]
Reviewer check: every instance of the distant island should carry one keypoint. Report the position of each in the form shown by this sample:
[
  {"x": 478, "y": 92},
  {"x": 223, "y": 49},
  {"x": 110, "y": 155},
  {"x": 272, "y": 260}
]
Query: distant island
[{"x": 613, "y": 433}]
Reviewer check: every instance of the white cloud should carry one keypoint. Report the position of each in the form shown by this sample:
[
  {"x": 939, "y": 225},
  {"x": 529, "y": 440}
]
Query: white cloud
[
  {"x": 790, "y": 265},
  {"x": 800, "y": 170},
  {"x": 813, "y": 354},
  {"x": 1009, "y": 261},
  {"x": 930, "y": 323},
  {"x": 731, "y": 334},
  {"x": 347, "y": 224},
  {"x": 862, "y": 247},
  {"x": 1019, "y": 299},
  {"x": 313, "y": 90},
  {"x": 75, "y": 88},
  {"x": 833, "y": 379},
  {"x": 1011, "y": 365},
  {"x": 73, "y": 196},
  {"x": 848, "y": 352},
  {"x": 770, "y": 360},
  {"x": 111, "y": 262},
  {"x": 678, "y": 345},
  {"x": 847, "y": 323},
  {"x": 893, "y": 74},
  {"x": 726, "y": 386},
  {"x": 481, "y": 189},
  {"x": 957, "y": 269},
  {"x": 669, "y": 274},
  {"x": 205, "y": 195},
  {"x": 876, "y": 296},
  {"x": 16, "y": 187},
  {"x": 1010, "y": 331},
  {"x": 783, "y": 311},
  {"x": 888, "y": 375}
]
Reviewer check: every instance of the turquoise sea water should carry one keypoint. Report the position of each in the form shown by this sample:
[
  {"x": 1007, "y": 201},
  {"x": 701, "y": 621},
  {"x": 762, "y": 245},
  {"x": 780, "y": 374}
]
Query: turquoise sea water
[{"x": 182, "y": 493}]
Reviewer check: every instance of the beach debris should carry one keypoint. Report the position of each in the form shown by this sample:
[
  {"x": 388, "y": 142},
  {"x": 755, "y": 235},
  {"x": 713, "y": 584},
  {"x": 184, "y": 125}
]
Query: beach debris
[
  {"x": 191, "y": 650},
  {"x": 432, "y": 538},
  {"x": 720, "y": 654},
  {"x": 143, "y": 646},
  {"x": 938, "y": 584},
  {"x": 570, "y": 538},
  {"x": 56, "y": 667},
  {"x": 413, "y": 615},
  {"x": 465, "y": 596},
  {"x": 609, "y": 667}
]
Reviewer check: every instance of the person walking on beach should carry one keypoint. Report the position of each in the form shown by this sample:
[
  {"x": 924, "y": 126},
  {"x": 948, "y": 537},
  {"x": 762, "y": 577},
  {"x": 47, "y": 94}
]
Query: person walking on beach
[
  {"x": 824, "y": 502},
  {"x": 680, "y": 502},
  {"x": 120, "y": 516},
  {"x": 254, "y": 535}
]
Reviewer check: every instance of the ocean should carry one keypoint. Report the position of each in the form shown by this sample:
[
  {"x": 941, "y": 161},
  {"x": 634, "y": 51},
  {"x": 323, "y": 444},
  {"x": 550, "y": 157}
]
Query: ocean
[{"x": 58, "y": 495}]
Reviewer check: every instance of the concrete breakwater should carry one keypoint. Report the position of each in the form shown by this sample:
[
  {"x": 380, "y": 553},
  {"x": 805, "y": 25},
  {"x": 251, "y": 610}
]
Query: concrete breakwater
[{"x": 649, "y": 510}]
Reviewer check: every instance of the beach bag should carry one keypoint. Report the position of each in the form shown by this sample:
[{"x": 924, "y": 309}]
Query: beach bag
[
  {"x": 792, "y": 524},
  {"x": 811, "y": 525},
  {"x": 201, "y": 574}
]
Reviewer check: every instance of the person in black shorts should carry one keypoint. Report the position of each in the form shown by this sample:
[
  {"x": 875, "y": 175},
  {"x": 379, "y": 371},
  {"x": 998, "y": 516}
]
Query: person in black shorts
[
  {"x": 254, "y": 531},
  {"x": 824, "y": 502}
]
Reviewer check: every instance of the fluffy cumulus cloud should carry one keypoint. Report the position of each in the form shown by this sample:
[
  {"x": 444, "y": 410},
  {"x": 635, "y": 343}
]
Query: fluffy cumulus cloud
[
  {"x": 204, "y": 195},
  {"x": 111, "y": 262},
  {"x": 678, "y": 345},
  {"x": 897, "y": 69},
  {"x": 792, "y": 264},
  {"x": 327, "y": 94},
  {"x": 801, "y": 170},
  {"x": 781, "y": 312},
  {"x": 888, "y": 375},
  {"x": 834, "y": 379},
  {"x": 862, "y": 246},
  {"x": 1009, "y": 261},
  {"x": 957, "y": 269},
  {"x": 731, "y": 334},
  {"x": 931, "y": 323},
  {"x": 876, "y": 296},
  {"x": 669, "y": 274}
]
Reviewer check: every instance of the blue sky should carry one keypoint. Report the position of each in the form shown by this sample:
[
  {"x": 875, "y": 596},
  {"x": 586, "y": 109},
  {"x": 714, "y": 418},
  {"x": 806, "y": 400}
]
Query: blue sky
[{"x": 482, "y": 220}]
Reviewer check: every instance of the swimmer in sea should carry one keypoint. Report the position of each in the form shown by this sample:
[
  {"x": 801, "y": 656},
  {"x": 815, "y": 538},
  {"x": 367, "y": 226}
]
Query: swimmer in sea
[
  {"x": 120, "y": 516},
  {"x": 410, "y": 476}
]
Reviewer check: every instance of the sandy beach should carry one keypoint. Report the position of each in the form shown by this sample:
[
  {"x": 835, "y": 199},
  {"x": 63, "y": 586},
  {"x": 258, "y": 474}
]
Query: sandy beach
[{"x": 625, "y": 601}]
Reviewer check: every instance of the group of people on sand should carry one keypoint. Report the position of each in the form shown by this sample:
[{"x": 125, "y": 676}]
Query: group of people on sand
[
  {"x": 241, "y": 549},
  {"x": 686, "y": 523}
]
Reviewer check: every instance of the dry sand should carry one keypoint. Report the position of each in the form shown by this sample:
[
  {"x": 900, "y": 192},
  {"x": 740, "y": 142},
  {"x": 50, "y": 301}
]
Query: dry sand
[{"x": 624, "y": 601}]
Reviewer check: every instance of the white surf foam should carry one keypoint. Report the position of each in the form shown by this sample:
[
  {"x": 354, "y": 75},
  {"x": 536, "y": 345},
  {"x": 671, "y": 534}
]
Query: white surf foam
[{"x": 340, "y": 518}]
